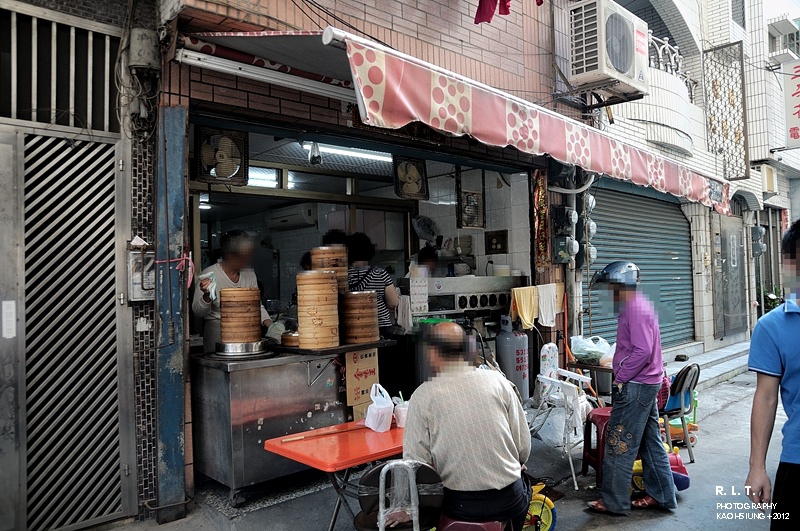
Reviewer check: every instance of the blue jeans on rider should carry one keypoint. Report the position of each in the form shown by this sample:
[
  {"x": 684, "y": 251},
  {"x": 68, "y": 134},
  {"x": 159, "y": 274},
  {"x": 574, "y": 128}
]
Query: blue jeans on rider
[{"x": 633, "y": 429}]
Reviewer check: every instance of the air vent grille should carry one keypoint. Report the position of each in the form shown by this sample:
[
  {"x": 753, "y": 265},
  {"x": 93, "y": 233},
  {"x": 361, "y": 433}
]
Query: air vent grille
[{"x": 585, "y": 51}]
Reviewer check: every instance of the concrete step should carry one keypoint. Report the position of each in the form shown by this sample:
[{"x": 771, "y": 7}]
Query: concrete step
[
  {"x": 708, "y": 359},
  {"x": 716, "y": 366},
  {"x": 722, "y": 372}
]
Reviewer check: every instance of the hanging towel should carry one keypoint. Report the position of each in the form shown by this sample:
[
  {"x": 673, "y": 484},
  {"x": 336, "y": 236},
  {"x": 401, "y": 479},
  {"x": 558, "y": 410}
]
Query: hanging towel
[
  {"x": 523, "y": 305},
  {"x": 486, "y": 9},
  {"x": 404, "y": 314},
  {"x": 547, "y": 305}
]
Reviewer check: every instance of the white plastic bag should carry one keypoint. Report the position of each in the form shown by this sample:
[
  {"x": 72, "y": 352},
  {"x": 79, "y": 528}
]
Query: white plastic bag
[
  {"x": 608, "y": 358},
  {"x": 589, "y": 350},
  {"x": 380, "y": 411}
]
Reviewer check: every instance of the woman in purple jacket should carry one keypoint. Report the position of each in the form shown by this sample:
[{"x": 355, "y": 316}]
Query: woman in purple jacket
[{"x": 633, "y": 427}]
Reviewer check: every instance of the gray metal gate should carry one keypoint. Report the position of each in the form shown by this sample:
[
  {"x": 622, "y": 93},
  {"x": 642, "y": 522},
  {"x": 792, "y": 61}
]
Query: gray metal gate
[
  {"x": 655, "y": 235},
  {"x": 730, "y": 283},
  {"x": 78, "y": 467}
]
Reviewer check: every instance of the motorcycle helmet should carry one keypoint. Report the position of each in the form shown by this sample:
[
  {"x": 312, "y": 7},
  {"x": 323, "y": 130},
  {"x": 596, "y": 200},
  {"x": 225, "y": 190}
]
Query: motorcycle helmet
[{"x": 621, "y": 272}]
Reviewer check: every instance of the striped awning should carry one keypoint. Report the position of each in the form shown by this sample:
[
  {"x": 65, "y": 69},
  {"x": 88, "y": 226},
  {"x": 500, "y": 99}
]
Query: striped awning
[{"x": 393, "y": 89}]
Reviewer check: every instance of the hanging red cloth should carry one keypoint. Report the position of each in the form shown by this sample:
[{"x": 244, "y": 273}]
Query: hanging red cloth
[{"x": 486, "y": 9}]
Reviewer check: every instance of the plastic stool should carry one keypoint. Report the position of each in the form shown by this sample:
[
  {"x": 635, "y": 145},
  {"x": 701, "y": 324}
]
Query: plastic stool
[
  {"x": 593, "y": 457},
  {"x": 448, "y": 524}
]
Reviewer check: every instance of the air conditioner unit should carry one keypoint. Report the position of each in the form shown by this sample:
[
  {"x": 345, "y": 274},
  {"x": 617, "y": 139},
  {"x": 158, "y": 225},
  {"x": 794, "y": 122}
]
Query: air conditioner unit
[
  {"x": 608, "y": 44},
  {"x": 770, "y": 179},
  {"x": 293, "y": 217}
]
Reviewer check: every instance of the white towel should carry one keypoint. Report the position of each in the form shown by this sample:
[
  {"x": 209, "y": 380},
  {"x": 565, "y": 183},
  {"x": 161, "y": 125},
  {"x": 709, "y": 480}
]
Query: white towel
[
  {"x": 404, "y": 314},
  {"x": 547, "y": 305}
]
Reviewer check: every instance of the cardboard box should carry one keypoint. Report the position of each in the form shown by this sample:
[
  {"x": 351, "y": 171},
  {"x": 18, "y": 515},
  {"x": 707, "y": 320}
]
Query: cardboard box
[{"x": 361, "y": 371}]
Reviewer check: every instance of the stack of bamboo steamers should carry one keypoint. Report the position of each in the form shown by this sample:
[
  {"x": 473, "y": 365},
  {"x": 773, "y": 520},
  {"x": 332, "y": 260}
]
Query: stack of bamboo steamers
[
  {"x": 240, "y": 315},
  {"x": 321, "y": 293}
]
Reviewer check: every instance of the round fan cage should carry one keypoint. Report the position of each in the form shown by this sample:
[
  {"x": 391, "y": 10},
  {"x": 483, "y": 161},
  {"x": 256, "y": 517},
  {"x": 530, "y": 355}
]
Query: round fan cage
[
  {"x": 619, "y": 43},
  {"x": 222, "y": 155}
]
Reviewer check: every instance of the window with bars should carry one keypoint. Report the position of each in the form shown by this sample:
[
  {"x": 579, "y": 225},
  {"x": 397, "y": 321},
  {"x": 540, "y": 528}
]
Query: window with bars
[
  {"x": 55, "y": 73},
  {"x": 737, "y": 12}
]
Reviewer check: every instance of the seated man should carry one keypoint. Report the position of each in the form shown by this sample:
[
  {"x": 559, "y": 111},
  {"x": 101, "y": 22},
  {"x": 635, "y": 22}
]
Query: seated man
[{"x": 469, "y": 425}]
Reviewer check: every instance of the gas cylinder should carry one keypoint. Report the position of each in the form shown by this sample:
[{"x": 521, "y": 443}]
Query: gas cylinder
[
  {"x": 521, "y": 373},
  {"x": 513, "y": 364}
]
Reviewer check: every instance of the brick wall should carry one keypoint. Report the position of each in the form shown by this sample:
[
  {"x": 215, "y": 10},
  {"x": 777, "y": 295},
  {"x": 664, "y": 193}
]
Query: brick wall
[{"x": 511, "y": 53}]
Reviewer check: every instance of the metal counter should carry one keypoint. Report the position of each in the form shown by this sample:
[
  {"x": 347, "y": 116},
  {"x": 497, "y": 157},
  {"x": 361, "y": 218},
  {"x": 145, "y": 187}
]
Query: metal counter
[{"x": 239, "y": 403}]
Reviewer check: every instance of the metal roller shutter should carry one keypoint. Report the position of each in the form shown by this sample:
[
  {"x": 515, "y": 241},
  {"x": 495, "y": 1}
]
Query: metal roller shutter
[{"x": 655, "y": 235}]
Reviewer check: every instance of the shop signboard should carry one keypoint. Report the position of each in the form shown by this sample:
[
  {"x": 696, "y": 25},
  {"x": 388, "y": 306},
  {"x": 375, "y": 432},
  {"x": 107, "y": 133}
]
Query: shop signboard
[
  {"x": 791, "y": 93},
  {"x": 361, "y": 371}
]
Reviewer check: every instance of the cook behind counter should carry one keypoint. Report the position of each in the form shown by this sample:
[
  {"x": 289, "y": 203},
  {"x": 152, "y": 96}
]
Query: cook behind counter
[{"x": 209, "y": 311}]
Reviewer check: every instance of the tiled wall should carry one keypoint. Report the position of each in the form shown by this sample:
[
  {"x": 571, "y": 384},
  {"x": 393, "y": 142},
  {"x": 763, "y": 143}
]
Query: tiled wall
[
  {"x": 505, "y": 53},
  {"x": 506, "y": 208},
  {"x": 291, "y": 244}
]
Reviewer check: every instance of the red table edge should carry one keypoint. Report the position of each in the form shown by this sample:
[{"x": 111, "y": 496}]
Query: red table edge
[{"x": 284, "y": 449}]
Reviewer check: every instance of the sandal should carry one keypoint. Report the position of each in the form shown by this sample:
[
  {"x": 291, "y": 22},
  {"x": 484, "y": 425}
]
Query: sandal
[
  {"x": 598, "y": 507},
  {"x": 648, "y": 502}
]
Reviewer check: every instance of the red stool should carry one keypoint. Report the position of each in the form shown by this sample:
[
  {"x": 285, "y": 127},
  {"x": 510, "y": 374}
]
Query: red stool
[
  {"x": 593, "y": 456},
  {"x": 448, "y": 524}
]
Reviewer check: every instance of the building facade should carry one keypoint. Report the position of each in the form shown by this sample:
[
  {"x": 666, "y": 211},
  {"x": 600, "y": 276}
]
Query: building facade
[{"x": 103, "y": 160}]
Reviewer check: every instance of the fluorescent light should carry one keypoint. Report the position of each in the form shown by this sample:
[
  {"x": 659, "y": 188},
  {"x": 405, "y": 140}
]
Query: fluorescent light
[
  {"x": 265, "y": 75},
  {"x": 350, "y": 152},
  {"x": 205, "y": 206},
  {"x": 262, "y": 177}
]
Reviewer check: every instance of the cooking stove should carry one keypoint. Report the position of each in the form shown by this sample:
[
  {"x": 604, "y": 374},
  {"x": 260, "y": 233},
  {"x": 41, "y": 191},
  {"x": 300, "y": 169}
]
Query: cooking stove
[{"x": 453, "y": 295}]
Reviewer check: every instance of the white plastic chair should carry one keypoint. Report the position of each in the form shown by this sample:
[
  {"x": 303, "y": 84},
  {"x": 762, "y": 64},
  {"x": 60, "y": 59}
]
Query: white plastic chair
[{"x": 564, "y": 394}]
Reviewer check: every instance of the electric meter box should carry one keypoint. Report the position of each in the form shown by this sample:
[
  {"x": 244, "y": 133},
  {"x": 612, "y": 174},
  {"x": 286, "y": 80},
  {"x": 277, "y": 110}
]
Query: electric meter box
[
  {"x": 144, "y": 52},
  {"x": 564, "y": 248}
]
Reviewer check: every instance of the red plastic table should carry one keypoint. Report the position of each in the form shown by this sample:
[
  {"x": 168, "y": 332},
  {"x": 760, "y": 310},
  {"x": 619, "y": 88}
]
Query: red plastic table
[{"x": 336, "y": 450}]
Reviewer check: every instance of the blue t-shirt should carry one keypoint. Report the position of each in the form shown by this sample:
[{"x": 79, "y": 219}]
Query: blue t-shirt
[{"x": 775, "y": 350}]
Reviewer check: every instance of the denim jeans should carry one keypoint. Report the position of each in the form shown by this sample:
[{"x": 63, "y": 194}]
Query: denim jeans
[{"x": 633, "y": 429}]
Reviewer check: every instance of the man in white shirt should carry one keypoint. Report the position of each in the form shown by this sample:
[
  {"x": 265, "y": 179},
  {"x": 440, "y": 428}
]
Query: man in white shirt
[{"x": 469, "y": 425}]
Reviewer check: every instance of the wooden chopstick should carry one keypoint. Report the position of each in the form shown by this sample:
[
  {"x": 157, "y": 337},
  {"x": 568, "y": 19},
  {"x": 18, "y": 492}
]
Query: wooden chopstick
[{"x": 320, "y": 434}]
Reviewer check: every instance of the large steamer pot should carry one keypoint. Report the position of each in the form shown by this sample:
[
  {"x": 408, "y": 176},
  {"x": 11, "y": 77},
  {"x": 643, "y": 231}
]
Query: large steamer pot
[
  {"x": 317, "y": 309},
  {"x": 360, "y": 317},
  {"x": 240, "y": 315},
  {"x": 332, "y": 258}
]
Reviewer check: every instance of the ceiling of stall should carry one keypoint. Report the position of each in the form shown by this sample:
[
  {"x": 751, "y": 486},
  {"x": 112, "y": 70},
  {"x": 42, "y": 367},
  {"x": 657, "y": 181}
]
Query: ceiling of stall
[
  {"x": 288, "y": 151},
  {"x": 230, "y": 206}
]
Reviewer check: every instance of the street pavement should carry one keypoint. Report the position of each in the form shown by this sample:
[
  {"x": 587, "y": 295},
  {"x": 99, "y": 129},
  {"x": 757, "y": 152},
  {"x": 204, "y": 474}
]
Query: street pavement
[{"x": 721, "y": 461}]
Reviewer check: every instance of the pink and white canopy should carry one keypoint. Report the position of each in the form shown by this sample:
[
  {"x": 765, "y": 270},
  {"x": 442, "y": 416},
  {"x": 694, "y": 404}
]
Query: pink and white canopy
[{"x": 394, "y": 89}]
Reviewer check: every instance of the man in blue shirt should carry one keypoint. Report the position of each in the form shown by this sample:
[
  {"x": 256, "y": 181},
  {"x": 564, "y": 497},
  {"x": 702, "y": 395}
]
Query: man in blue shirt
[{"x": 775, "y": 357}]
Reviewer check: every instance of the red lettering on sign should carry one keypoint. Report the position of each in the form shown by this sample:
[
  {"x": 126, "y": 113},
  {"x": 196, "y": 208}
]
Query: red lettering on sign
[
  {"x": 794, "y": 133},
  {"x": 641, "y": 43},
  {"x": 364, "y": 373},
  {"x": 796, "y": 72}
]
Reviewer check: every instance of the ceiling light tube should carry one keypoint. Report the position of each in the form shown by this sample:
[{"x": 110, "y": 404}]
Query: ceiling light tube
[
  {"x": 347, "y": 152},
  {"x": 257, "y": 73}
]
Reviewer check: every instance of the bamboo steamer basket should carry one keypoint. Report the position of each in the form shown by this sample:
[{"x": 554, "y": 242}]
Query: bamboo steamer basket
[
  {"x": 290, "y": 339},
  {"x": 317, "y": 309},
  {"x": 328, "y": 257},
  {"x": 240, "y": 315},
  {"x": 332, "y": 258},
  {"x": 360, "y": 317}
]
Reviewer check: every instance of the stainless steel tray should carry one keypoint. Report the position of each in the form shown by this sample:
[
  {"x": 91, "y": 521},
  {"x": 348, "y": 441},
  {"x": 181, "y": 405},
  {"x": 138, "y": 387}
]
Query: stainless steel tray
[{"x": 242, "y": 349}]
